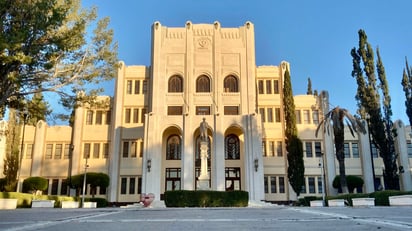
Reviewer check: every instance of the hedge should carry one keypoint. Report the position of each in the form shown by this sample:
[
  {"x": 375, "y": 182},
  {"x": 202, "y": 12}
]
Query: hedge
[{"x": 187, "y": 198}]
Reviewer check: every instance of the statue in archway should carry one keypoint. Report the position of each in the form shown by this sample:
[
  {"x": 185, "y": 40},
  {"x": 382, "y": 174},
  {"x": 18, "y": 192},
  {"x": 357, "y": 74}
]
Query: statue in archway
[{"x": 203, "y": 130}]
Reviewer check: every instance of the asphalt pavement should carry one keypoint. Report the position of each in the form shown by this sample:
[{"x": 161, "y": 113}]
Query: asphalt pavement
[{"x": 250, "y": 218}]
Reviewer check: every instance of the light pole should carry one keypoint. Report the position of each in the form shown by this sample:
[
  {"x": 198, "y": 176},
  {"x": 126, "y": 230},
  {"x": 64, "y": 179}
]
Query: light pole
[
  {"x": 84, "y": 180},
  {"x": 322, "y": 175},
  {"x": 25, "y": 117}
]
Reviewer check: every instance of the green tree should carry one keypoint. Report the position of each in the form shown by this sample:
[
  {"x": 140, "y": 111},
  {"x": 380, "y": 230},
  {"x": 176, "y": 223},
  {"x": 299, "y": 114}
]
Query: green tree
[
  {"x": 294, "y": 147},
  {"x": 94, "y": 179},
  {"x": 52, "y": 45},
  {"x": 407, "y": 88},
  {"x": 353, "y": 182},
  {"x": 37, "y": 109},
  {"x": 336, "y": 117},
  {"x": 11, "y": 161},
  {"x": 35, "y": 184},
  {"x": 309, "y": 91},
  {"x": 368, "y": 96}
]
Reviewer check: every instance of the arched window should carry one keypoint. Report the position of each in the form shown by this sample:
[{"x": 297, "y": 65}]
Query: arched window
[
  {"x": 203, "y": 84},
  {"x": 230, "y": 84},
  {"x": 232, "y": 147},
  {"x": 175, "y": 84},
  {"x": 173, "y": 149}
]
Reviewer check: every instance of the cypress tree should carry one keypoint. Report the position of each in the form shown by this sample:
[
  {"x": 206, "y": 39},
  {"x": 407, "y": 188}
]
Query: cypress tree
[
  {"x": 294, "y": 147},
  {"x": 309, "y": 91},
  {"x": 368, "y": 98},
  {"x": 407, "y": 88}
]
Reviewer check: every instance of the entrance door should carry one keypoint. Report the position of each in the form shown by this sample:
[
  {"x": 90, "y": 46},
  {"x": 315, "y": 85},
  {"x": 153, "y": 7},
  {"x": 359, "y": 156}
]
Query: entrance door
[{"x": 232, "y": 179}]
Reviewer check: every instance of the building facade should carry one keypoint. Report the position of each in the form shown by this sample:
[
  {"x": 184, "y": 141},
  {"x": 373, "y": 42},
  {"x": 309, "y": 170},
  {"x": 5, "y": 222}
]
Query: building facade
[{"x": 147, "y": 136}]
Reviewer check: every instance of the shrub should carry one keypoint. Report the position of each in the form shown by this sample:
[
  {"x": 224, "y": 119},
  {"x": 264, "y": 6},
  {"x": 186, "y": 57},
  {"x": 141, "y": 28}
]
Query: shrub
[
  {"x": 187, "y": 198},
  {"x": 352, "y": 181},
  {"x": 100, "y": 202},
  {"x": 35, "y": 183}
]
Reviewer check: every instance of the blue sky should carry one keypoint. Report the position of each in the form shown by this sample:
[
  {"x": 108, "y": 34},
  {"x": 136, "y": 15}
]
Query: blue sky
[{"x": 314, "y": 36}]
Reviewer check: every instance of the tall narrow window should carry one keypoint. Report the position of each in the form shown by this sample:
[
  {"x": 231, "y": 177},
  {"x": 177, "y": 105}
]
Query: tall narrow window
[
  {"x": 129, "y": 87},
  {"x": 173, "y": 151},
  {"x": 315, "y": 116},
  {"x": 58, "y": 151},
  {"x": 232, "y": 147},
  {"x": 89, "y": 117},
  {"x": 281, "y": 184},
  {"x": 408, "y": 148},
  {"x": 262, "y": 114},
  {"x": 277, "y": 115},
  {"x": 318, "y": 149},
  {"x": 108, "y": 117},
  {"x": 268, "y": 86},
  {"x": 135, "y": 115},
  {"x": 123, "y": 185},
  {"x": 144, "y": 87},
  {"x": 175, "y": 84},
  {"x": 270, "y": 115},
  {"x": 273, "y": 184},
  {"x": 132, "y": 185},
  {"x": 306, "y": 117},
  {"x": 309, "y": 152},
  {"x": 298, "y": 118},
  {"x": 276, "y": 86},
  {"x": 142, "y": 115},
  {"x": 106, "y": 150},
  {"x": 230, "y": 84},
  {"x": 355, "y": 150},
  {"x": 264, "y": 148},
  {"x": 133, "y": 149},
  {"x": 86, "y": 150},
  {"x": 125, "y": 149},
  {"x": 66, "y": 154},
  {"x": 203, "y": 84},
  {"x": 137, "y": 87},
  {"x": 99, "y": 117},
  {"x": 346, "y": 150},
  {"x": 271, "y": 148},
  {"x": 49, "y": 151},
  {"x": 127, "y": 115},
  {"x": 29, "y": 151},
  {"x": 260, "y": 86},
  {"x": 311, "y": 184},
  {"x": 96, "y": 150},
  {"x": 279, "y": 148}
]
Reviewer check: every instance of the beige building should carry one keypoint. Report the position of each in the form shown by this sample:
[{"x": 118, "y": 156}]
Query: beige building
[{"x": 147, "y": 137}]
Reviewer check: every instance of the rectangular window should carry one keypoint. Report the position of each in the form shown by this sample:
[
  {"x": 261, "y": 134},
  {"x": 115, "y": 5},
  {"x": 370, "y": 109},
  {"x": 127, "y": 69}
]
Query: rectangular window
[
  {"x": 311, "y": 184},
  {"x": 409, "y": 148},
  {"x": 137, "y": 87},
  {"x": 273, "y": 184},
  {"x": 144, "y": 87},
  {"x": 58, "y": 151},
  {"x": 355, "y": 150},
  {"x": 260, "y": 86},
  {"x": 231, "y": 110},
  {"x": 306, "y": 117},
  {"x": 96, "y": 150},
  {"x": 133, "y": 149},
  {"x": 108, "y": 117},
  {"x": 142, "y": 115},
  {"x": 268, "y": 86},
  {"x": 132, "y": 185},
  {"x": 139, "y": 185},
  {"x": 135, "y": 115},
  {"x": 276, "y": 86},
  {"x": 202, "y": 110},
  {"x": 264, "y": 148},
  {"x": 102, "y": 190},
  {"x": 346, "y": 150},
  {"x": 281, "y": 184},
  {"x": 127, "y": 115},
  {"x": 315, "y": 116},
  {"x": 318, "y": 149},
  {"x": 279, "y": 149},
  {"x": 99, "y": 117},
  {"x": 309, "y": 151},
  {"x": 55, "y": 186},
  {"x": 123, "y": 185},
  {"x": 29, "y": 151},
  {"x": 49, "y": 151},
  {"x": 141, "y": 148},
  {"x": 271, "y": 148},
  {"x": 262, "y": 114},
  {"x": 277, "y": 115},
  {"x": 125, "y": 149},
  {"x": 174, "y": 110},
  {"x": 129, "y": 87},
  {"x": 66, "y": 153},
  {"x": 298, "y": 118},
  {"x": 106, "y": 150},
  {"x": 266, "y": 184},
  {"x": 89, "y": 117},
  {"x": 270, "y": 115},
  {"x": 320, "y": 187},
  {"x": 86, "y": 150}
]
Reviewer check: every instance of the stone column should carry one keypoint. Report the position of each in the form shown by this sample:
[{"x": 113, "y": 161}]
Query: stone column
[{"x": 403, "y": 159}]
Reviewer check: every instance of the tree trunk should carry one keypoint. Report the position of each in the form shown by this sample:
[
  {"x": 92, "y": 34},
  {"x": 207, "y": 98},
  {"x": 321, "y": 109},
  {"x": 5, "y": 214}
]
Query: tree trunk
[{"x": 340, "y": 155}]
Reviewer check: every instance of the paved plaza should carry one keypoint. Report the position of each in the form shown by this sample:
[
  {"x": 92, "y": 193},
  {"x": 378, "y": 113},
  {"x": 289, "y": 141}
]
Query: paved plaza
[{"x": 258, "y": 218}]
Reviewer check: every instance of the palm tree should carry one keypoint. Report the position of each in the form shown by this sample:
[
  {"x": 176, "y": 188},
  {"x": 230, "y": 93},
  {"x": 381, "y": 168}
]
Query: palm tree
[{"x": 336, "y": 117}]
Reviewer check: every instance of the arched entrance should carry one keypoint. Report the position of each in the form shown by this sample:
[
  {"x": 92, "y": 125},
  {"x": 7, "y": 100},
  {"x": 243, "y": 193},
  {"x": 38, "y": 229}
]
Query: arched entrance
[{"x": 234, "y": 159}]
